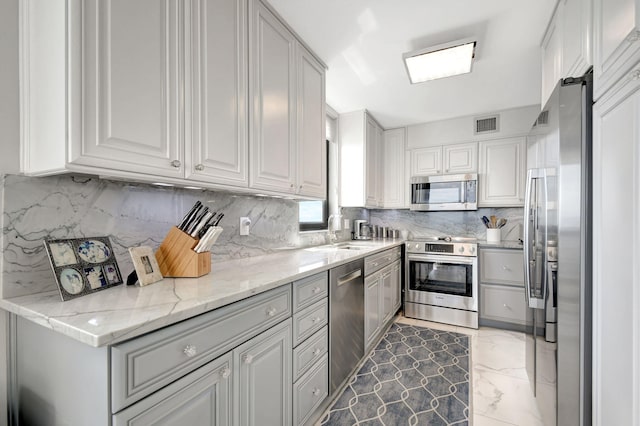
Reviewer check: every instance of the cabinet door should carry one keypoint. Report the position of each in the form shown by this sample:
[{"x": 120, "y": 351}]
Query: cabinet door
[
  {"x": 616, "y": 41},
  {"x": 386, "y": 301},
  {"x": 312, "y": 146},
  {"x": 216, "y": 78},
  {"x": 371, "y": 166},
  {"x": 502, "y": 173},
  {"x": 379, "y": 171},
  {"x": 200, "y": 398},
  {"x": 273, "y": 94},
  {"x": 396, "y": 277},
  {"x": 551, "y": 56},
  {"x": 616, "y": 207},
  {"x": 131, "y": 88},
  {"x": 372, "y": 315},
  {"x": 462, "y": 158},
  {"x": 426, "y": 161},
  {"x": 576, "y": 37},
  {"x": 264, "y": 379},
  {"x": 394, "y": 169}
]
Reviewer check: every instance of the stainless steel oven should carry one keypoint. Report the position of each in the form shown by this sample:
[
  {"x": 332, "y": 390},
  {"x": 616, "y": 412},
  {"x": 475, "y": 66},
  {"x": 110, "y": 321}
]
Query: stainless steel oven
[{"x": 441, "y": 281}]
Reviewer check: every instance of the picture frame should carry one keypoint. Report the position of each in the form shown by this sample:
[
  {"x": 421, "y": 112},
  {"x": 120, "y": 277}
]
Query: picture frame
[
  {"x": 82, "y": 266},
  {"x": 145, "y": 264}
]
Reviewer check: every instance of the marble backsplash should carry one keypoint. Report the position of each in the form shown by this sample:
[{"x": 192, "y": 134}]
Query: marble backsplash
[
  {"x": 131, "y": 215},
  {"x": 457, "y": 224}
]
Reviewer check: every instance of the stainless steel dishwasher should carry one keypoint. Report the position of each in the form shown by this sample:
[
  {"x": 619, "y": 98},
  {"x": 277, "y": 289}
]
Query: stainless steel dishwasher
[{"x": 346, "y": 324}]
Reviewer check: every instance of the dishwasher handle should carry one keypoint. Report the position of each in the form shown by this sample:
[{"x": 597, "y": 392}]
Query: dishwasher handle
[{"x": 349, "y": 277}]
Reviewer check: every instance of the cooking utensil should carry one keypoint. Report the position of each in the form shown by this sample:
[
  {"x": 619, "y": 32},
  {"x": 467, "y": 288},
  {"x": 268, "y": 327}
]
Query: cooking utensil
[
  {"x": 493, "y": 221},
  {"x": 486, "y": 221},
  {"x": 502, "y": 222}
]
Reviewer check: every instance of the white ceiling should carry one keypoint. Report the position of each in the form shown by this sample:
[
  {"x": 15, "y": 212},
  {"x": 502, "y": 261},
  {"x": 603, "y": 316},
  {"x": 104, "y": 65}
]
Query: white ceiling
[{"x": 362, "y": 42}]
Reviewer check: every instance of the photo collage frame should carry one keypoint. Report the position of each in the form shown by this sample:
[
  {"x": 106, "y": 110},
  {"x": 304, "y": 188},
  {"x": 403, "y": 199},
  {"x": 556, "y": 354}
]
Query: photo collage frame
[{"x": 83, "y": 265}]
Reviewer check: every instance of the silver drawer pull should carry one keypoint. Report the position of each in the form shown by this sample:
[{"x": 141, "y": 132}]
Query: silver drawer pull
[
  {"x": 349, "y": 277},
  {"x": 190, "y": 351},
  {"x": 247, "y": 359},
  {"x": 317, "y": 352},
  {"x": 316, "y": 290},
  {"x": 225, "y": 373},
  {"x": 633, "y": 37},
  {"x": 316, "y": 319},
  {"x": 505, "y": 268},
  {"x": 315, "y": 392},
  {"x": 272, "y": 312},
  {"x": 506, "y": 306}
]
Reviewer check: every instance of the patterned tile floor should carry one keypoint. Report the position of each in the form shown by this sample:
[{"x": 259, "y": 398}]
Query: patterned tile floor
[
  {"x": 500, "y": 391},
  {"x": 414, "y": 376}
]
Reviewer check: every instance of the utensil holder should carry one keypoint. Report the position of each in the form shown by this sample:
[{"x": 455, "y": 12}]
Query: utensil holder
[
  {"x": 493, "y": 235},
  {"x": 177, "y": 259}
]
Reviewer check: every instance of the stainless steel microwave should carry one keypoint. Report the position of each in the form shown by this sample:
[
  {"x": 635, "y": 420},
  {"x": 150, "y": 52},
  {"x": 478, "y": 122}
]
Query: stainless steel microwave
[{"x": 444, "y": 192}]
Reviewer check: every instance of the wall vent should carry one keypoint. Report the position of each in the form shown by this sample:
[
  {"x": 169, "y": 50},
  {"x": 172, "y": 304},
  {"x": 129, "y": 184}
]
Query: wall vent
[
  {"x": 543, "y": 118},
  {"x": 487, "y": 124}
]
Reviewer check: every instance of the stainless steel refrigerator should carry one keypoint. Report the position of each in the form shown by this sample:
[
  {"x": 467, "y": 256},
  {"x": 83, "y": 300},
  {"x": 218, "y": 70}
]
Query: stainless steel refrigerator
[{"x": 557, "y": 255}]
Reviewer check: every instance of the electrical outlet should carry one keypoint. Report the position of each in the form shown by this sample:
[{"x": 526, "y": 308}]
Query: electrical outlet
[{"x": 245, "y": 224}]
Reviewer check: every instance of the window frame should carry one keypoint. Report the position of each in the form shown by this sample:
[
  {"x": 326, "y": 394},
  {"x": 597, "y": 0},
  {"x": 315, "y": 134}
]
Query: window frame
[{"x": 324, "y": 225}]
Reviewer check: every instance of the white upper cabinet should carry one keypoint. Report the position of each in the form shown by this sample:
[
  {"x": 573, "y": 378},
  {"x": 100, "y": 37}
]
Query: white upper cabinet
[
  {"x": 395, "y": 182},
  {"x": 567, "y": 44},
  {"x": 551, "y": 56},
  {"x": 616, "y": 42},
  {"x": 158, "y": 91},
  {"x": 312, "y": 147},
  {"x": 426, "y": 161},
  {"x": 448, "y": 159},
  {"x": 501, "y": 172},
  {"x": 217, "y": 93},
  {"x": 461, "y": 158},
  {"x": 360, "y": 160},
  {"x": 273, "y": 85}
]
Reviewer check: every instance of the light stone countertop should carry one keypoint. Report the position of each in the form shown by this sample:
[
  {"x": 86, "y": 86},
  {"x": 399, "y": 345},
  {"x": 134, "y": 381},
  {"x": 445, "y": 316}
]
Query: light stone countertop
[{"x": 124, "y": 312}]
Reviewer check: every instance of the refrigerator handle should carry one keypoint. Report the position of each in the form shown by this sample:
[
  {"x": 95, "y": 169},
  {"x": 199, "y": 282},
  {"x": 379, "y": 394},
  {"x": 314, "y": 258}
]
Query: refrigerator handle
[{"x": 529, "y": 243}]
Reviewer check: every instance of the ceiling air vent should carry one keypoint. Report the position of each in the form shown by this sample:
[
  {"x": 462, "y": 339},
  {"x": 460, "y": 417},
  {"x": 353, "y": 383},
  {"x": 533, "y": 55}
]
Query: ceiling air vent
[{"x": 486, "y": 124}]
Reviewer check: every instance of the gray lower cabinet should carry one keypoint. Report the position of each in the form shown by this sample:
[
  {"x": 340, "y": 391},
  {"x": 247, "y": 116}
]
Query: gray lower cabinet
[
  {"x": 381, "y": 292},
  {"x": 311, "y": 347},
  {"x": 502, "y": 301},
  {"x": 264, "y": 379},
  {"x": 203, "y": 397}
]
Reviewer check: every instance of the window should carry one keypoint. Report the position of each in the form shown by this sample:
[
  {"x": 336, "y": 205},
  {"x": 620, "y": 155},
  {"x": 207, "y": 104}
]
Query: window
[{"x": 313, "y": 215}]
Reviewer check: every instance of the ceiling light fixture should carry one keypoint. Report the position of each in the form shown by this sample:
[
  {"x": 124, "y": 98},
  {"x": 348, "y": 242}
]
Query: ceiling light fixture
[{"x": 443, "y": 60}]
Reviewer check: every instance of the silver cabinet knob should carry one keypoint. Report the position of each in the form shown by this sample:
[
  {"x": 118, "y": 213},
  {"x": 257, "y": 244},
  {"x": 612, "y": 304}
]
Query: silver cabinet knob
[
  {"x": 292, "y": 186},
  {"x": 176, "y": 164},
  {"x": 300, "y": 187},
  {"x": 272, "y": 312},
  {"x": 317, "y": 352},
  {"x": 316, "y": 392},
  {"x": 247, "y": 359},
  {"x": 316, "y": 320},
  {"x": 316, "y": 290},
  {"x": 225, "y": 373},
  {"x": 199, "y": 167},
  {"x": 190, "y": 351},
  {"x": 505, "y": 268},
  {"x": 634, "y": 75}
]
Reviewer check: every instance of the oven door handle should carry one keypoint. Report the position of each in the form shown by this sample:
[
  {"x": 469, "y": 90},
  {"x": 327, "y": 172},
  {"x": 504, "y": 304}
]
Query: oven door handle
[{"x": 460, "y": 260}]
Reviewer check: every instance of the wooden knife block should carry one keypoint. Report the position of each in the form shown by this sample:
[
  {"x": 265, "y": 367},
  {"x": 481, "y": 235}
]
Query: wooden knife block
[{"x": 177, "y": 259}]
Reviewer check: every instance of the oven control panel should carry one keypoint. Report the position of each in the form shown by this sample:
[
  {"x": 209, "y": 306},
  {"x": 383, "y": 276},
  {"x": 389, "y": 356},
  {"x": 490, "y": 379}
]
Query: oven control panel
[{"x": 448, "y": 248}]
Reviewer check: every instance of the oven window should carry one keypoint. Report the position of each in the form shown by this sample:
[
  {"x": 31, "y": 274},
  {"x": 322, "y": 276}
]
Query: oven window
[{"x": 437, "y": 277}]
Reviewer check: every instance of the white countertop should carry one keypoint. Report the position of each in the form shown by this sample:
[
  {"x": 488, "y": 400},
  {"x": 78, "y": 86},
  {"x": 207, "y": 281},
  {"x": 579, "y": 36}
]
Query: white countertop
[
  {"x": 123, "y": 312},
  {"x": 502, "y": 244}
]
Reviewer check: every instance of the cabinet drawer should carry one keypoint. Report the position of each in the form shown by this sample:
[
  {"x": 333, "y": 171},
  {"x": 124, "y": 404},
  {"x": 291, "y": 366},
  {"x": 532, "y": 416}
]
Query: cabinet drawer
[
  {"x": 502, "y": 266},
  {"x": 310, "y": 320},
  {"x": 145, "y": 364},
  {"x": 310, "y": 351},
  {"x": 503, "y": 303},
  {"x": 310, "y": 391},
  {"x": 378, "y": 261},
  {"x": 309, "y": 290}
]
